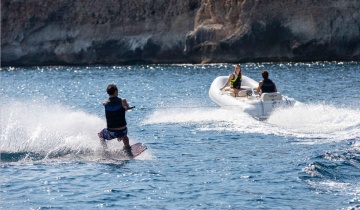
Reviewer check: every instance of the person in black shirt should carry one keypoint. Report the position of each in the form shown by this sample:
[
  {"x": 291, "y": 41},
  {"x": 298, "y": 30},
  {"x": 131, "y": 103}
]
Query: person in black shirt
[
  {"x": 266, "y": 85},
  {"x": 115, "y": 109}
]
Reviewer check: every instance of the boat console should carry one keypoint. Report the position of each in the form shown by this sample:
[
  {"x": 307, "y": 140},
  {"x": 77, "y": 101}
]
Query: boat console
[{"x": 271, "y": 96}]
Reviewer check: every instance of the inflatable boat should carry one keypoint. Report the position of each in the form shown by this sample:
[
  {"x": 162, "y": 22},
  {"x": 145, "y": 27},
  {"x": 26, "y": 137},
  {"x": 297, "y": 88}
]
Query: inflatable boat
[{"x": 248, "y": 99}]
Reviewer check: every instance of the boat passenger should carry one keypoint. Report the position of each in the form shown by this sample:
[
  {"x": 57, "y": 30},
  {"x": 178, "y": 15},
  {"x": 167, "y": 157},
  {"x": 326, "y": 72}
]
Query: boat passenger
[
  {"x": 266, "y": 85},
  {"x": 235, "y": 80}
]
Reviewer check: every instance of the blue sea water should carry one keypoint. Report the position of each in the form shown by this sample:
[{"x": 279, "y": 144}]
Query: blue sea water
[{"x": 200, "y": 156}]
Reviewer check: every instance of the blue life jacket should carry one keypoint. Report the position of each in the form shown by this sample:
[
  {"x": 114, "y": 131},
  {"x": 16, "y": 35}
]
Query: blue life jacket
[{"x": 115, "y": 113}]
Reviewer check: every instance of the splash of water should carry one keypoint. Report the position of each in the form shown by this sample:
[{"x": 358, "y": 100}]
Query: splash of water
[
  {"x": 47, "y": 129},
  {"x": 36, "y": 131},
  {"x": 40, "y": 127},
  {"x": 317, "y": 121}
]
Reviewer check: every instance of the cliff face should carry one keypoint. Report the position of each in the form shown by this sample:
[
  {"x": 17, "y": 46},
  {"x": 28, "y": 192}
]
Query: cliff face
[
  {"x": 68, "y": 32},
  {"x": 266, "y": 30}
]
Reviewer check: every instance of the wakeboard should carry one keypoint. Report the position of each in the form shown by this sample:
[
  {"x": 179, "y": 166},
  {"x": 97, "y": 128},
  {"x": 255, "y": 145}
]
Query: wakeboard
[{"x": 136, "y": 150}]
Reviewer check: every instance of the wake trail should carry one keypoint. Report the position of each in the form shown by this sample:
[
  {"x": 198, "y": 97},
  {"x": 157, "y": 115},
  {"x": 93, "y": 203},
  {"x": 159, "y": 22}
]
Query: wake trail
[
  {"x": 317, "y": 121},
  {"x": 313, "y": 123}
]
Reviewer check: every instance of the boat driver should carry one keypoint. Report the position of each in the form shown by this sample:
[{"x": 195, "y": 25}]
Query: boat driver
[{"x": 266, "y": 85}]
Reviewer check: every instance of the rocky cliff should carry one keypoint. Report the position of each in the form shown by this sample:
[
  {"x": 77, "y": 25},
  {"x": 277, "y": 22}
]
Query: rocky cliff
[{"x": 78, "y": 32}]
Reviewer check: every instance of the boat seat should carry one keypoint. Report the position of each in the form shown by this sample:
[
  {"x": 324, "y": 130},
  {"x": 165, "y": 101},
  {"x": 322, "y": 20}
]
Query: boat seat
[
  {"x": 242, "y": 87},
  {"x": 271, "y": 96},
  {"x": 241, "y": 93},
  {"x": 245, "y": 87}
]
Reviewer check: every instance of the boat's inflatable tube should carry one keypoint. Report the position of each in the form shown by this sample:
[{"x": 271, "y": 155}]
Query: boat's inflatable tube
[{"x": 248, "y": 100}]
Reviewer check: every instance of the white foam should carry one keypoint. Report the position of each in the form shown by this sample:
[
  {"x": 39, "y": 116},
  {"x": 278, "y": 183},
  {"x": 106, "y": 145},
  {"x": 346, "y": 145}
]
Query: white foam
[
  {"x": 317, "y": 123},
  {"x": 37, "y": 127},
  {"x": 190, "y": 115},
  {"x": 53, "y": 130}
]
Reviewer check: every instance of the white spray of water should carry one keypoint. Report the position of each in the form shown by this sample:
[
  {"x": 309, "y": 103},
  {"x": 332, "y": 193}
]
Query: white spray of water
[
  {"x": 310, "y": 123},
  {"x": 38, "y": 127},
  {"x": 317, "y": 121},
  {"x": 52, "y": 130}
]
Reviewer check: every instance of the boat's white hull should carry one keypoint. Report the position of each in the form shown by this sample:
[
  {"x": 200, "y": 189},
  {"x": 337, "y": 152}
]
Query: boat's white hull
[{"x": 250, "y": 102}]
